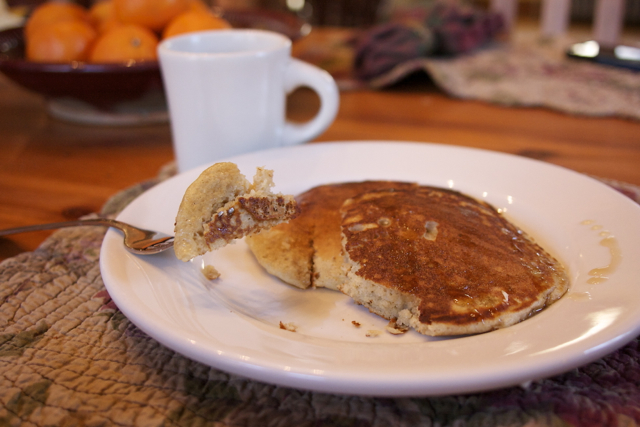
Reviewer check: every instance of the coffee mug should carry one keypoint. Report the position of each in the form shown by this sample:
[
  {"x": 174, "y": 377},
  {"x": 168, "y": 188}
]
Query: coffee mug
[{"x": 226, "y": 92}]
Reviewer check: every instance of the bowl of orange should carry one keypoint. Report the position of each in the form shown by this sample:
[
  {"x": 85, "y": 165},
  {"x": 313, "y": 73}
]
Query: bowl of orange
[{"x": 102, "y": 61}]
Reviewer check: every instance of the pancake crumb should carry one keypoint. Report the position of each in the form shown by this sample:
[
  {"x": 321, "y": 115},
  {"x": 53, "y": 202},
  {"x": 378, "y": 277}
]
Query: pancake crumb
[
  {"x": 393, "y": 328},
  {"x": 210, "y": 272},
  {"x": 291, "y": 327},
  {"x": 356, "y": 324},
  {"x": 372, "y": 333}
]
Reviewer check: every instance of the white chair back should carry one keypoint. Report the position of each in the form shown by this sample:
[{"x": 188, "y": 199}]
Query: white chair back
[{"x": 555, "y": 16}]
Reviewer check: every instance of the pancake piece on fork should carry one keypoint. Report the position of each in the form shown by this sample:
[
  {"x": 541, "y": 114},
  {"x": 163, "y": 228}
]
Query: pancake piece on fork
[{"x": 222, "y": 205}]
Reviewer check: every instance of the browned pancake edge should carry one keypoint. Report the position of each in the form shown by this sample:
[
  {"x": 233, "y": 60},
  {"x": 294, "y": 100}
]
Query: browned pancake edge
[{"x": 443, "y": 263}]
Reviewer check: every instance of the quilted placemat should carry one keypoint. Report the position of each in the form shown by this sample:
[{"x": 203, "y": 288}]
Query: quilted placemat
[{"x": 69, "y": 357}]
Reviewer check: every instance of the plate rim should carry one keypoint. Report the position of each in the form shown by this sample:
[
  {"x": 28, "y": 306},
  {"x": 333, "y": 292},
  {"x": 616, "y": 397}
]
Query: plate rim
[{"x": 344, "y": 385}]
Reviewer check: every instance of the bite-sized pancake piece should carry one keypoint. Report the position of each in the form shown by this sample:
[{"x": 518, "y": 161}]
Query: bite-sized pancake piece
[
  {"x": 307, "y": 251},
  {"x": 443, "y": 263},
  {"x": 222, "y": 205}
]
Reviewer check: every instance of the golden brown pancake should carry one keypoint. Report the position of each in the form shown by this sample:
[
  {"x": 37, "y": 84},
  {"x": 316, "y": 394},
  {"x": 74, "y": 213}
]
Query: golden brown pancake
[
  {"x": 443, "y": 263},
  {"x": 307, "y": 251},
  {"x": 222, "y": 205}
]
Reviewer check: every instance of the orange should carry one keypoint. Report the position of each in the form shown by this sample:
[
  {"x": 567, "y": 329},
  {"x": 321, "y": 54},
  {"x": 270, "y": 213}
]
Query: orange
[
  {"x": 199, "y": 6},
  {"x": 63, "y": 41},
  {"x": 102, "y": 15},
  {"x": 123, "y": 43},
  {"x": 190, "y": 21},
  {"x": 54, "y": 11},
  {"x": 153, "y": 14}
]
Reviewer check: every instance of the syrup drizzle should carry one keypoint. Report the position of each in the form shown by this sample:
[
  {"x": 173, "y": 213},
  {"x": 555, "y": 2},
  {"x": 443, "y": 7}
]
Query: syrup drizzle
[{"x": 609, "y": 241}]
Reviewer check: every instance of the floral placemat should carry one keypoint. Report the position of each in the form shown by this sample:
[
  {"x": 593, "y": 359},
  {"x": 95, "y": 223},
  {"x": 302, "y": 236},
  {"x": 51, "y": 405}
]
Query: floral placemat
[{"x": 69, "y": 357}]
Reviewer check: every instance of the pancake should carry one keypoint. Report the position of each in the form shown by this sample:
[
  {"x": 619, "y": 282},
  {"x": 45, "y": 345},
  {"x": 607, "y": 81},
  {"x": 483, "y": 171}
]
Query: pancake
[
  {"x": 221, "y": 205},
  {"x": 443, "y": 263},
  {"x": 307, "y": 252}
]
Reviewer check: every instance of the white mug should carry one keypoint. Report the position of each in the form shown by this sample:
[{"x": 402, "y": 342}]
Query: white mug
[{"x": 226, "y": 91}]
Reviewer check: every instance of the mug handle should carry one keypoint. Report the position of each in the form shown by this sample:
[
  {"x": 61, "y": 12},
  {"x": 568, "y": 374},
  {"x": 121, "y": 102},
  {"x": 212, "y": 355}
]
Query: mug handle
[{"x": 299, "y": 74}]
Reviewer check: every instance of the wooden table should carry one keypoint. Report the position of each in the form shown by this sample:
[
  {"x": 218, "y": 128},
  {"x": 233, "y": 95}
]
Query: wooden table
[{"x": 51, "y": 170}]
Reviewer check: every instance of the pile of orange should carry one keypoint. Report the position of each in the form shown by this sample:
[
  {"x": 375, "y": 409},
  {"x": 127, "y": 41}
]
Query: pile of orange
[{"x": 111, "y": 30}]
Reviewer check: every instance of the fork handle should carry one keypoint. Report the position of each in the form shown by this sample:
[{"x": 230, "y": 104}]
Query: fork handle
[{"x": 51, "y": 226}]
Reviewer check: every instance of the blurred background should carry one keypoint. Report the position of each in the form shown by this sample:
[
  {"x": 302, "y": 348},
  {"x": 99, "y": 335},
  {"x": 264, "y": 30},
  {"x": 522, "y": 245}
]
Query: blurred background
[{"x": 365, "y": 12}]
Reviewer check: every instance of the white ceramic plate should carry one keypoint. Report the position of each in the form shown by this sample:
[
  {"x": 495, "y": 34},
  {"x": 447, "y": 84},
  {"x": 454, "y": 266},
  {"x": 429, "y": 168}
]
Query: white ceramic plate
[{"x": 233, "y": 323}]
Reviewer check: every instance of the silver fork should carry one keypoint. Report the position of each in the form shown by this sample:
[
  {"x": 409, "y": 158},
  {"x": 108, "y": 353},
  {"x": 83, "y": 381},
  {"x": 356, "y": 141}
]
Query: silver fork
[{"x": 136, "y": 240}]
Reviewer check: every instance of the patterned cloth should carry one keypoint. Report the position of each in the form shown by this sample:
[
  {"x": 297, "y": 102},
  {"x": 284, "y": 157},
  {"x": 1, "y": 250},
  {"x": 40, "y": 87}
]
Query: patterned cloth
[
  {"x": 530, "y": 74},
  {"x": 526, "y": 71},
  {"x": 69, "y": 357}
]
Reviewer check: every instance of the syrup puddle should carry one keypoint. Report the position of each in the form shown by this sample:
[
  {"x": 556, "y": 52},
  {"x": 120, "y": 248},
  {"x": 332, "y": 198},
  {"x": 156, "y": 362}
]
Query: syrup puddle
[
  {"x": 601, "y": 274},
  {"x": 579, "y": 296}
]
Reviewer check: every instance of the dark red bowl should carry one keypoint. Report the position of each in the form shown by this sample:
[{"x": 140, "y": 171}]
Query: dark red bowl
[{"x": 105, "y": 85}]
